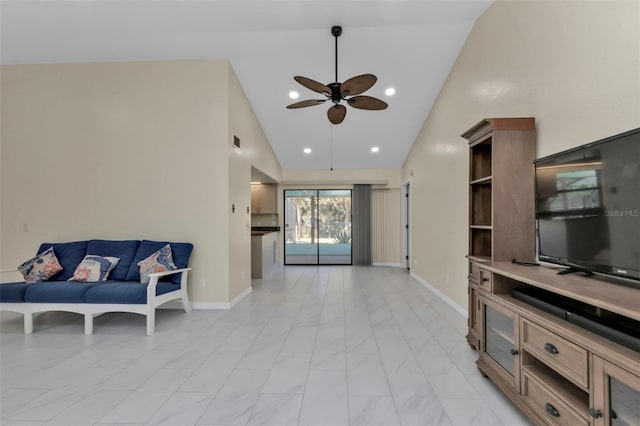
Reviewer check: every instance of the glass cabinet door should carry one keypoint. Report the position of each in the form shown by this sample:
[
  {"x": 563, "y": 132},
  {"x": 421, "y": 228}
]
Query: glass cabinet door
[
  {"x": 500, "y": 341},
  {"x": 624, "y": 402},
  {"x": 618, "y": 403}
]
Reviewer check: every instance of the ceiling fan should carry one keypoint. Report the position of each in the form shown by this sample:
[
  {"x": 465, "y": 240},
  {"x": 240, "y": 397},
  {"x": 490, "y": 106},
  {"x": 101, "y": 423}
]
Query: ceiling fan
[{"x": 349, "y": 91}]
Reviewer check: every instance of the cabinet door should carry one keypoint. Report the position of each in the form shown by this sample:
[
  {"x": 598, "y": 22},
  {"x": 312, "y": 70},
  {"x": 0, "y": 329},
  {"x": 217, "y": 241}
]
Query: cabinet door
[
  {"x": 500, "y": 343},
  {"x": 268, "y": 199},
  {"x": 255, "y": 198},
  {"x": 473, "y": 337},
  {"x": 616, "y": 395}
]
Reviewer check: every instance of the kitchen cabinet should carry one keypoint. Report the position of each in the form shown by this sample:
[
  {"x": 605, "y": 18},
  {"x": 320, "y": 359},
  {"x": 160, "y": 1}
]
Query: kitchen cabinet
[{"x": 264, "y": 198}]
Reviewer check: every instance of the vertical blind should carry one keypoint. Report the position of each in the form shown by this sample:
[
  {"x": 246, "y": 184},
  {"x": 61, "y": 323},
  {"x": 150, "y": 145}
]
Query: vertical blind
[{"x": 386, "y": 232}]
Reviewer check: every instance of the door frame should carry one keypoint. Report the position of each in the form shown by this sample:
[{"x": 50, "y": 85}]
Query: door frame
[
  {"x": 317, "y": 219},
  {"x": 406, "y": 224}
]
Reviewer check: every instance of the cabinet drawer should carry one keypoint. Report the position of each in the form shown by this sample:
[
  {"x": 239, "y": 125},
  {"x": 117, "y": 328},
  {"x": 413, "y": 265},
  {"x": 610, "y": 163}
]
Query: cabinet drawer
[
  {"x": 486, "y": 280},
  {"x": 568, "y": 359},
  {"x": 474, "y": 272},
  {"x": 548, "y": 406}
]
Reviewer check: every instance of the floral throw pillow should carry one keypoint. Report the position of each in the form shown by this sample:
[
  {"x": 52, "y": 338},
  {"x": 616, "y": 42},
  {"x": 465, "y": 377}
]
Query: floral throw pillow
[
  {"x": 94, "y": 268},
  {"x": 40, "y": 268},
  {"x": 160, "y": 261}
]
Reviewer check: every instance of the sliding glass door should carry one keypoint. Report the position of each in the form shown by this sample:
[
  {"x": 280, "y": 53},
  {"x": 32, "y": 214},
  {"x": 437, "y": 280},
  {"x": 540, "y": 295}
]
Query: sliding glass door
[{"x": 317, "y": 227}]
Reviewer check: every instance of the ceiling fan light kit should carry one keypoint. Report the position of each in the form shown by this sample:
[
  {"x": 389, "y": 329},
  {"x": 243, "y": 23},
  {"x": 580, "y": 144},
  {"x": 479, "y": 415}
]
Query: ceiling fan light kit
[{"x": 349, "y": 91}]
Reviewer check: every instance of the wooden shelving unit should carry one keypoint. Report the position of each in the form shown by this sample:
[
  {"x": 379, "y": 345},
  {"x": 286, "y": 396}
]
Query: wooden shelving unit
[{"x": 501, "y": 204}]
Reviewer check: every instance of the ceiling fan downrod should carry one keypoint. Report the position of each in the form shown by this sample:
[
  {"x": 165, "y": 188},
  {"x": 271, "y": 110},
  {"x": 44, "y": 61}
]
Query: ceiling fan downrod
[
  {"x": 336, "y": 94},
  {"x": 336, "y": 31}
]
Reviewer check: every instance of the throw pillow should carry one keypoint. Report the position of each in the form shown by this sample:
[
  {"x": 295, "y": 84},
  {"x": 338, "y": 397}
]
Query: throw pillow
[
  {"x": 40, "y": 268},
  {"x": 94, "y": 268},
  {"x": 160, "y": 261}
]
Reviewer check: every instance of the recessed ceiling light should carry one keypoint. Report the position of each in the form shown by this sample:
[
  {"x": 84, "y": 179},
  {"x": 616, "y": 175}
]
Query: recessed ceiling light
[
  {"x": 375, "y": 149},
  {"x": 390, "y": 91},
  {"x": 307, "y": 150},
  {"x": 294, "y": 95}
]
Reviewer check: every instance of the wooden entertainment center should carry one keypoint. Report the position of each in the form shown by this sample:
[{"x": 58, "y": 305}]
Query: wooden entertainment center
[{"x": 556, "y": 371}]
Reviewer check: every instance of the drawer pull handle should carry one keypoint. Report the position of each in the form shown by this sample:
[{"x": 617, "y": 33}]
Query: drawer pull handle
[
  {"x": 595, "y": 413},
  {"x": 551, "y": 349},
  {"x": 551, "y": 410},
  {"x": 513, "y": 352}
]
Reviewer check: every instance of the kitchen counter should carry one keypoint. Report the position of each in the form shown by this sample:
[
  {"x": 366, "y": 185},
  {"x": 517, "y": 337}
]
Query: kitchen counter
[
  {"x": 262, "y": 230},
  {"x": 260, "y": 233}
]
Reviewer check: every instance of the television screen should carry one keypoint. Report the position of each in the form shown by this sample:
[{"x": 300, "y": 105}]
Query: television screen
[{"x": 588, "y": 206}]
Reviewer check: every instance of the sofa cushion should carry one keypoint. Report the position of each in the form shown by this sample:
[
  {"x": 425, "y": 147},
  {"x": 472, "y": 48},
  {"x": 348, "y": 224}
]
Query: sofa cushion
[
  {"x": 13, "y": 292},
  {"x": 40, "y": 268},
  {"x": 124, "y": 292},
  {"x": 124, "y": 249},
  {"x": 57, "y": 292},
  {"x": 180, "y": 251},
  {"x": 69, "y": 255},
  {"x": 94, "y": 268},
  {"x": 160, "y": 261}
]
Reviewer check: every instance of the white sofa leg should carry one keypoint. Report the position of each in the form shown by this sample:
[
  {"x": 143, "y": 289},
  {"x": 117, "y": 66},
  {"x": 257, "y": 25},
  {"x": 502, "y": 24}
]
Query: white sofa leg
[
  {"x": 88, "y": 323},
  {"x": 28, "y": 323},
  {"x": 151, "y": 321},
  {"x": 185, "y": 303}
]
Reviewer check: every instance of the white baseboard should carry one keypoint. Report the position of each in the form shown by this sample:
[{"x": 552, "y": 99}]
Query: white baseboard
[
  {"x": 395, "y": 265},
  {"x": 206, "y": 305},
  {"x": 176, "y": 304},
  {"x": 241, "y": 296},
  {"x": 441, "y": 295}
]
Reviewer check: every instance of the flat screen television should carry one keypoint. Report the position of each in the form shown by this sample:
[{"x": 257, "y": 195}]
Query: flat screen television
[{"x": 588, "y": 206}]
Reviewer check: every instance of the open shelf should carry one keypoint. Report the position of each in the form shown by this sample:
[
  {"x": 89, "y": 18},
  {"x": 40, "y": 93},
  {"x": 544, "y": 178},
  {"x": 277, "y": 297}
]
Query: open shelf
[
  {"x": 480, "y": 207},
  {"x": 481, "y": 160},
  {"x": 482, "y": 181},
  {"x": 480, "y": 242}
]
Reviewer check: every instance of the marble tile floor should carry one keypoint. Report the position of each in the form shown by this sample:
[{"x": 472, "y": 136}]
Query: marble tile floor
[{"x": 309, "y": 346}]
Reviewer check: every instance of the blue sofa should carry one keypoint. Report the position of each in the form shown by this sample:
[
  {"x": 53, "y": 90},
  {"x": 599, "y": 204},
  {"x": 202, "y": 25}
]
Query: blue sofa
[{"x": 123, "y": 291}]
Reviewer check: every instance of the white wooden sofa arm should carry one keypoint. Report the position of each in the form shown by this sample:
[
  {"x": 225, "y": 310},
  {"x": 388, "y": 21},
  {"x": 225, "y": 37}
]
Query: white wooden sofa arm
[
  {"x": 153, "y": 301},
  {"x": 174, "y": 271}
]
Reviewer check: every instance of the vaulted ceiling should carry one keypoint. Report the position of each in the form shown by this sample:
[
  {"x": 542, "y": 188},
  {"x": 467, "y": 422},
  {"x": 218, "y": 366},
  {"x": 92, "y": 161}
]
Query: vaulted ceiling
[{"x": 409, "y": 45}]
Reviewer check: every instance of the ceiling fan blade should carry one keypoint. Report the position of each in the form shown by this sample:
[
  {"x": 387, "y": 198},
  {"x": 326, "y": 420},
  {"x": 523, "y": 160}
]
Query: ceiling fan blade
[
  {"x": 359, "y": 84},
  {"x": 312, "y": 85},
  {"x": 336, "y": 113},
  {"x": 367, "y": 102},
  {"x": 307, "y": 103}
]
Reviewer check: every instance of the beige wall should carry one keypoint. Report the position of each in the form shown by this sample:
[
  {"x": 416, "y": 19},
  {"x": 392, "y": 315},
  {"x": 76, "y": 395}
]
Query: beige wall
[
  {"x": 574, "y": 66},
  {"x": 129, "y": 150},
  {"x": 255, "y": 151}
]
